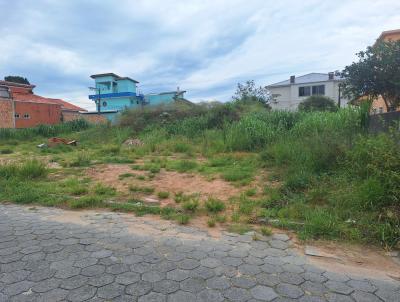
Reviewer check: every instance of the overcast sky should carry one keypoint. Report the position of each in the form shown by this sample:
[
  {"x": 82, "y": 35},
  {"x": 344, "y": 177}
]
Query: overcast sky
[{"x": 204, "y": 47}]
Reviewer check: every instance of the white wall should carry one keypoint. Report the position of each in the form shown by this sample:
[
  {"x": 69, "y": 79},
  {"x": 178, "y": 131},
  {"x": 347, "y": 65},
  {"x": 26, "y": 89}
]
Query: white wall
[{"x": 289, "y": 98}]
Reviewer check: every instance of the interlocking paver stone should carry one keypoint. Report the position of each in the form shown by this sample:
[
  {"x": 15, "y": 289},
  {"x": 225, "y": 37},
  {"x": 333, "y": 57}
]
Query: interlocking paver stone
[
  {"x": 289, "y": 290},
  {"x": 339, "y": 287},
  {"x": 237, "y": 294},
  {"x": 139, "y": 289},
  {"x": 127, "y": 278},
  {"x": 178, "y": 275},
  {"x": 263, "y": 293},
  {"x": 166, "y": 286},
  {"x": 110, "y": 291},
  {"x": 209, "y": 295},
  {"x": 181, "y": 296},
  {"x": 106, "y": 260},
  {"x": 82, "y": 293},
  {"x": 218, "y": 283},
  {"x": 361, "y": 296},
  {"x": 243, "y": 282},
  {"x": 153, "y": 297}
]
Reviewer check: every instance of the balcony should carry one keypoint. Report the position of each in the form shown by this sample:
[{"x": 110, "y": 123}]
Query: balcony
[{"x": 113, "y": 95}]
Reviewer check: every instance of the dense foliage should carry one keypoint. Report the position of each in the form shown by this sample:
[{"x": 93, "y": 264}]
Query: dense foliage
[
  {"x": 16, "y": 79},
  {"x": 377, "y": 73},
  {"x": 318, "y": 103}
]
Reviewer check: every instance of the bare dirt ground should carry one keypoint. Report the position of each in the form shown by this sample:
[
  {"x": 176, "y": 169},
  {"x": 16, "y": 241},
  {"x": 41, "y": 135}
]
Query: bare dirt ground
[{"x": 169, "y": 181}]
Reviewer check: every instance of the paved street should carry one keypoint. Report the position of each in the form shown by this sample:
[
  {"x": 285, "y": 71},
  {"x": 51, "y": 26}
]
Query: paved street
[{"x": 52, "y": 255}]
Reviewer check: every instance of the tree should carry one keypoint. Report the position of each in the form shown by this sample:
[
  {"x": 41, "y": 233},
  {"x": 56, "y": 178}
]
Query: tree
[
  {"x": 248, "y": 92},
  {"x": 17, "y": 79},
  {"x": 377, "y": 73},
  {"x": 318, "y": 103}
]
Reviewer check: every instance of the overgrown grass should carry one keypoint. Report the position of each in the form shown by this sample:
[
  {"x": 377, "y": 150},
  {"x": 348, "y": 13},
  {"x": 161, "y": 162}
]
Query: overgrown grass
[
  {"x": 336, "y": 181},
  {"x": 44, "y": 130}
]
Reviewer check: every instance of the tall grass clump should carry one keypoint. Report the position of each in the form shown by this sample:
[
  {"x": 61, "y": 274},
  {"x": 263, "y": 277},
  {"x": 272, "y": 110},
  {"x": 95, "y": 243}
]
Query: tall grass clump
[
  {"x": 31, "y": 169},
  {"x": 258, "y": 129},
  {"x": 45, "y": 130}
]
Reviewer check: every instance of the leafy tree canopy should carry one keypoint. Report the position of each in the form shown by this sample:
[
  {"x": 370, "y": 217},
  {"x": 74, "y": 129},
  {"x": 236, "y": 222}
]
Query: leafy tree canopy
[
  {"x": 17, "y": 79},
  {"x": 377, "y": 72},
  {"x": 248, "y": 92},
  {"x": 318, "y": 103}
]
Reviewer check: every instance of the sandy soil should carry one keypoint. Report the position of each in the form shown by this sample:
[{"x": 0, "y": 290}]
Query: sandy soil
[
  {"x": 168, "y": 181},
  {"x": 354, "y": 260}
]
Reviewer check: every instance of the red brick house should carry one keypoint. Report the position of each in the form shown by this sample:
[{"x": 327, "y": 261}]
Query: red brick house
[{"x": 21, "y": 108}]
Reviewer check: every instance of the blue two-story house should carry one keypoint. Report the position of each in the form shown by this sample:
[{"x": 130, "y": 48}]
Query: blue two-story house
[{"x": 113, "y": 94}]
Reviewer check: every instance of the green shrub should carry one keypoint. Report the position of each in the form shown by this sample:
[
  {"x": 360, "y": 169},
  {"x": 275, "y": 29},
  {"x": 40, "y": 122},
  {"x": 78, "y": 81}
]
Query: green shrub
[
  {"x": 145, "y": 190},
  {"x": 45, "y": 130},
  {"x": 163, "y": 194},
  {"x": 125, "y": 175},
  {"x": 191, "y": 205},
  {"x": 179, "y": 197},
  {"x": 101, "y": 189},
  {"x": 266, "y": 231},
  {"x": 31, "y": 169},
  {"x": 211, "y": 222},
  {"x": 86, "y": 202},
  {"x": 168, "y": 213},
  {"x": 6, "y": 151},
  {"x": 318, "y": 103},
  {"x": 81, "y": 160},
  {"x": 214, "y": 205},
  {"x": 182, "y": 218},
  {"x": 251, "y": 192},
  {"x": 183, "y": 165}
]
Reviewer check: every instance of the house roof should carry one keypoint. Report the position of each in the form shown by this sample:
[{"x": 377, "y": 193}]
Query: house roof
[
  {"x": 388, "y": 33},
  {"x": 307, "y": 78},
  {"x": 111, "y": 74},
  {"x": 7, "y": 83},
  {"x": 27, "y": 97},
  {"x": 24, "y": 93}
]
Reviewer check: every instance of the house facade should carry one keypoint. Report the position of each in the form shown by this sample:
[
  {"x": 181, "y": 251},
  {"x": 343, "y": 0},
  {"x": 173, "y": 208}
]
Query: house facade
[
  {"x": 21, "y": 108},
  {"x": 288, "y": 94},
  {"x": 113, "y": 93}
]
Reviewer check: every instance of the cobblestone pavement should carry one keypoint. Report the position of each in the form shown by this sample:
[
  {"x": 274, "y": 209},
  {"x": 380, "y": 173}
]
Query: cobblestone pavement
[{"x": 120, "y": 257}]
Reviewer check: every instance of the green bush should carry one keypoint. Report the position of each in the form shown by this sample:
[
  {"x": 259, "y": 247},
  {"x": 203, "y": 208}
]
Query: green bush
[
  {"x": 31, "y": 169},
  {"x": 86, "y": 202},
  {"x": 163, "y": 194},
  {"x": 182, "y": 218},
  {"x": 101, "y": 189},
  {"x": 214, "y": 205},
  {"x": 318, "y": 103},
  {"x": 6, "y": 151},
  {"x": 45, "y": 130},
  {"x": 191, "y": 205}
]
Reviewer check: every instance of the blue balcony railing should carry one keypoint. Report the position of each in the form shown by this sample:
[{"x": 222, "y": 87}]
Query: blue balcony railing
[{"x": 114, "y": 95}]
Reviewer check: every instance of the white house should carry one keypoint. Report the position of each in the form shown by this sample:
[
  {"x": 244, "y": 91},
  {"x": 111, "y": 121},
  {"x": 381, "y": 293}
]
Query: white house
[{"x": 288, "y": 94}]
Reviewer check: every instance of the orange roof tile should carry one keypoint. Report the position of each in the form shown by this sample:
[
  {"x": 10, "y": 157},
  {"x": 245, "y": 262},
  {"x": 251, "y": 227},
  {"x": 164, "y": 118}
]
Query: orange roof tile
[{"x": 24, "y": 93}]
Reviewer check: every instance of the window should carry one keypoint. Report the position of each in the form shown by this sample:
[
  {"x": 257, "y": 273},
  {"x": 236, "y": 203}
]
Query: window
[
  {"x": 380, "y": 110},
  {"x": 304, "y": 91},
  {"x": 318, "y": 90},
  {"x": 27, "y": 116},
  {"x": 104, "y": 104},
  {"x": 16, "y": 115}
]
